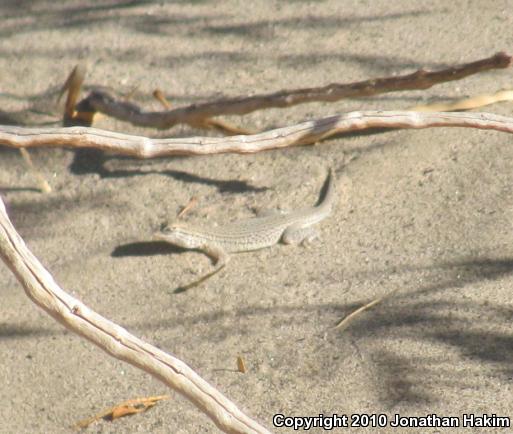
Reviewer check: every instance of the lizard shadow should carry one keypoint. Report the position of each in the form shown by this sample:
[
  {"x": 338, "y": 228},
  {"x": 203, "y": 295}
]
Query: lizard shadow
[
  {"x": 146, "y": 248},
  {"x": 93, "y": 161},
  {"x": 152, "y": 248}
]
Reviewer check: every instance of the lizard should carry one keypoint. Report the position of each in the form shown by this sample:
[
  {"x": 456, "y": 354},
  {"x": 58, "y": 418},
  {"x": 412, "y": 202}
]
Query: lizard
[{"x": 256, "y": 233}]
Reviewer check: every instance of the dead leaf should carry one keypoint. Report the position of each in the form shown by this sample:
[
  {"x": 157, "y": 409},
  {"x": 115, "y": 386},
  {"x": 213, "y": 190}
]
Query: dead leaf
[
  {"x": 241, "y": 367},
  {"x": 132, "y": 406}
]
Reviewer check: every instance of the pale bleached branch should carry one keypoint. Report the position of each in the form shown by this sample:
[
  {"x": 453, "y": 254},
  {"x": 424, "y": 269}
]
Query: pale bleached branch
[
  {"x": 41, "y": 288},
  {"x": 469, "y": 103},
  {"x": 300, "y": 134},
  {"x": 197, "y": 114}
]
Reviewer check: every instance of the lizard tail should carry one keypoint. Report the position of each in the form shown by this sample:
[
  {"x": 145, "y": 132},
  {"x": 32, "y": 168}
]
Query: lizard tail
[{"x": 327, "y": 196}]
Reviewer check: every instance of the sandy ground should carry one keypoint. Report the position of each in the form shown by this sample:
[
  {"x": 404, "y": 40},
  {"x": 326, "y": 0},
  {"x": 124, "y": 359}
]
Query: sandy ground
[{"x": 428, "y": 212}]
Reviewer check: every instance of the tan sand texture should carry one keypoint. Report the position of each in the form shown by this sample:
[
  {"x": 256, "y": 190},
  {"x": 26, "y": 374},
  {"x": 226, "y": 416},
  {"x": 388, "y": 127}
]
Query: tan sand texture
[{"x": 426, "y": 211}]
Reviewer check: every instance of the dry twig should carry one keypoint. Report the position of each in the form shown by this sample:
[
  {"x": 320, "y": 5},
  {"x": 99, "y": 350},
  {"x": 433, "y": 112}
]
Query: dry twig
[
  {"x": 197, "y": 114},
  {"x": 241, "y": 366},
  {"x": 126, "y": 408},
  {"x": 44, "y": 186},
  {"x": 300, "y": 134},
  {"x": 42, "y": 289},
  {"x": 344, "y": 322},
  {"x": 216, "y": 124},
  {"x": 72, "y": 88},
  {"x": 467, "y": 103},
  {"x": 191, "y": 204},
  {"x": 161, "y": 98}
]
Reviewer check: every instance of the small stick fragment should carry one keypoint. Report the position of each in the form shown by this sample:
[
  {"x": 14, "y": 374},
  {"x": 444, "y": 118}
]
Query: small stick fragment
[
  {"x": 43, "y": 183},
  {"x": 467, "y": 103},
  {"x": 76, "y": 114},
  {"x": 192, "y": 203},
  {"x": 126, "y": 408},
  {"x": 344, "y": 322},
  {"x": 241, "y": 367},
  {"x": 159, "y": 96},
  {"x": 217, "y": 124},
  {"x": 73, "y": 86}
]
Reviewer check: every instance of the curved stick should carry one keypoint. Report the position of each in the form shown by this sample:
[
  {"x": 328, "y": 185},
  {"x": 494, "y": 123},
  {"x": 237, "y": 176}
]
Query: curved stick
[
  {"x": 42, "y": 289},
  {"x": 300, "y": 134}
]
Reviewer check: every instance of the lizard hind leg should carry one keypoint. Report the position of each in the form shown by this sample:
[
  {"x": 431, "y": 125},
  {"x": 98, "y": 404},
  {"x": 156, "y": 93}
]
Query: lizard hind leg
[
  {"x": 297, "y": 234},
  {"x": 220, "y": 258},
  {"x": 200, "y": 280}
]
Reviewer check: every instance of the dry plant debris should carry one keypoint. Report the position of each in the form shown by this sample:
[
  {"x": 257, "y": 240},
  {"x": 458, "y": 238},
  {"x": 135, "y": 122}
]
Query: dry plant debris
[
  {"x": 241, "y": 366},
  {"x": 192, "y": 203},
  {"x": 344, "y": 322},
  {"x": 199, "y": 115},
  {"x": 44, "y": 186},
  {"x": 467, "y": 103},
  {"x": 126, "y": 408}
]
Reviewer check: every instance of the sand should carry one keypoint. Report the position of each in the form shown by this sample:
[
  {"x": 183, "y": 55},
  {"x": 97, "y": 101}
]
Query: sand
[{"x": 428, "y": 212}]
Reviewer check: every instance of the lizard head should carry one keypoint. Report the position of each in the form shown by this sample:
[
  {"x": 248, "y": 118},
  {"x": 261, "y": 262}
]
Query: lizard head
[{"x": 179, "y": 235}]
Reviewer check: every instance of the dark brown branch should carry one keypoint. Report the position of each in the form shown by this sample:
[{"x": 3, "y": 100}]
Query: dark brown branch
[{"x": 196, "y": 114}]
